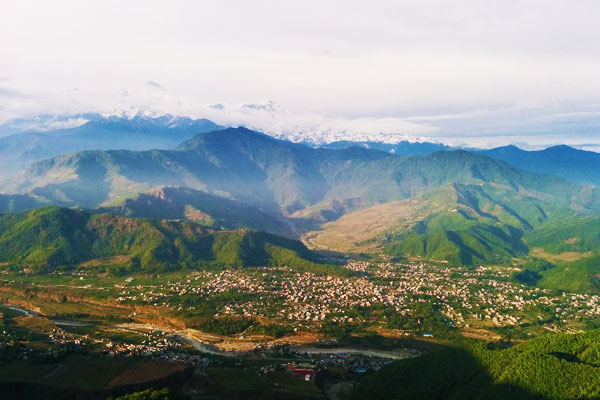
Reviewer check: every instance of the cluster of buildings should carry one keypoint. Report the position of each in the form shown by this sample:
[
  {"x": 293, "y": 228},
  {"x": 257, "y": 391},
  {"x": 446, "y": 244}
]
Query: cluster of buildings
[
  {"x": 158, "y": 346},
  {"x": 311, "y": 363},
  {"x": 465, "y": 296},
  {"x": 482, "y": 296}
]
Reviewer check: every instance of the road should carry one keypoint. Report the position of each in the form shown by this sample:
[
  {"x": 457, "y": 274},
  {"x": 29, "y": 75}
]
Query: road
[{"x": 188, "y": 338}]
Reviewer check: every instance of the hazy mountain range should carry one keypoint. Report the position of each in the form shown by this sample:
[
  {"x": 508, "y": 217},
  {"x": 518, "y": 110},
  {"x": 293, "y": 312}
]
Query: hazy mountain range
[
  {"x": 535, "y": 209},
  {"x": 52, "y": 237},
  {"x": 23, "y": 141},
  {"x": 572, "y": 164}
]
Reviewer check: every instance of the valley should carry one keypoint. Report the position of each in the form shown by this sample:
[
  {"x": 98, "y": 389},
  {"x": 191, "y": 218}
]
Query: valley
[
  {"x": 241, "y": 266},
  {"x": 263, "y": 317},
  {"x": 300, "y": 200},
  {"x": 452, "y": 206}
]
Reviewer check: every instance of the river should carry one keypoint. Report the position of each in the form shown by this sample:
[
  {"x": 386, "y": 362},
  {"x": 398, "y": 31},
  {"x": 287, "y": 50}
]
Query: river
[
  {"x": 185, "y": 337},
  {"x": 30, "y": 313}
]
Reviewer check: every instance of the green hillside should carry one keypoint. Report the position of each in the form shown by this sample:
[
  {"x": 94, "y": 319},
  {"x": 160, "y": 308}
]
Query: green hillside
[
  {"x": 569, "y": 233},
  {"x": 469, "y": 224},
  {"x": 550, "y": 367},
  {"x": 575, "y": 165},
  {"x": 476, "y": 210},
  {"x": 200, "y": 207},
  {"x": 275, "y": 175},
  {"x": 582, "y": 275},
  {"x": 473, "y": 227},
  {"x": 49, "y": 238},
  {"x": 487, "y": 223}
]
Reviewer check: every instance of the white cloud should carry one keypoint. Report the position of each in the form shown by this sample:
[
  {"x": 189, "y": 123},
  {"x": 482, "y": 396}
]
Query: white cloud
[
  {"x": 453, "y": 69},
  {"x": 155, "y": 85},
  {"x": 271, "y": 118}
]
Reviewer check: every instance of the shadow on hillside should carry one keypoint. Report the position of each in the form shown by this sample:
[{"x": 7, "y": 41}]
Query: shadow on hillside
[
  {"x": 449, "y": 374},
  {"x": 371, "y": 341},
  {"x": 336, "y": 257}
]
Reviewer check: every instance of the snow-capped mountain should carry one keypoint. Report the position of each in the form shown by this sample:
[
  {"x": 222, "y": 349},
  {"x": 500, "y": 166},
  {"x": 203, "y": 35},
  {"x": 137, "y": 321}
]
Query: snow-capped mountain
[
  {"x": 316, "y": 129},
  {"x": 26, "y": 140},
  {"x": 319, "y": 136},
  {"x": 268, "y": 117}
]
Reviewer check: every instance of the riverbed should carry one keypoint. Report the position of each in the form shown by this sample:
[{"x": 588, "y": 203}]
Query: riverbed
[{"x": 187, "y": 338}]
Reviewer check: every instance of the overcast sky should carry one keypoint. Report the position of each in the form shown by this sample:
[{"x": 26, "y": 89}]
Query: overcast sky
[{"x": 475, "y": 72}]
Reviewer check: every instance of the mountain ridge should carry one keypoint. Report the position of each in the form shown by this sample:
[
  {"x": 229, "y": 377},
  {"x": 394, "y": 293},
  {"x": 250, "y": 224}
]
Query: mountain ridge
[
  {"x": 52, "y": 238},
  {"x": 104, "y": 133},
  {"x": 579, "y": 166},
  {"x": 496, "y": 203},
  {"x": 212, "y": 211}
]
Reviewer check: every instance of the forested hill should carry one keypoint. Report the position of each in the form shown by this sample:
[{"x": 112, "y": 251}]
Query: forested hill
[
  {"x": 575, "y": 165},
  {"x": 273, "y": 174},
  {"x": 202, "y": 208},
  {"x": 49, "y": 238},
  {"x": 458, "y": 206},
  {"x": 550, "y": 367}
]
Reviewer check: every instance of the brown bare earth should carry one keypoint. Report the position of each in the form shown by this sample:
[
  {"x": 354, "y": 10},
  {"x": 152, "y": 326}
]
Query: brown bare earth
[
  {"x": 249, "y": 343},
  {"x": 196, "y": 215},
  {"x": 242, "y": 343},
  {"x": 300, "y": 338},
  {"x": 480, "y": 334},
  {"x": 389, "y": 333},
  {"x": 566, "y": 256},
  {"x": 348, "y": 232},
  {"x": 36, "y": 324},
  {"x": 98, "y": 262},
  {"x": 147, "y": 372}
]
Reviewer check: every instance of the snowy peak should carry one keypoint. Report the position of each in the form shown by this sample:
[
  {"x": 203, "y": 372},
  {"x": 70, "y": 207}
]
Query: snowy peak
[
  {"x": 268, "y": 117},
  {"x": 315, "y": 129},
  {"x": 318, "y": 135}
]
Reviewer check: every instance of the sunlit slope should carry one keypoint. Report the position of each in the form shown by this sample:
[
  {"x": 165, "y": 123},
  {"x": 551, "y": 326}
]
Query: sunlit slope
[
  {"x": 467, "y": 224},
  {"x": 202, "y": 208},
  {"x": 49, "y": 238},
  {"x": 277, "y": 175},
  {"x": 452, "y": 206}
]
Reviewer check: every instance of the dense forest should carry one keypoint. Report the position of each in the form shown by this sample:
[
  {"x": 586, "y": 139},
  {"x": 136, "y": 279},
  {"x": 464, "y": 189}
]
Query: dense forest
[{"x": 549, "y": 367}]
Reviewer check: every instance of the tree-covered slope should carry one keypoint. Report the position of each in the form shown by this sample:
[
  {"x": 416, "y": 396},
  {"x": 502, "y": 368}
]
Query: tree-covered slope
[
  {"x": 486, "y": 209},
  {"x": 575, "y": 165},
  {"x": 550, "y": 367},
  {"x": 403, "y": 148},
  {"x": 468, "y": 224},
  {"x": 275, "y": 175},
  {"x": 52, "y": 237},
  {"x": 245, "y": 165},
  {"x": 476, "y": 224},
  {"x": 570, "y": 233},
  {"x": 200, "y": 207}
]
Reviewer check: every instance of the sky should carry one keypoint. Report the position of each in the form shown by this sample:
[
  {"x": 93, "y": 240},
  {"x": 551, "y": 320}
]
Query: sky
[{"x": 479, "y": 73}]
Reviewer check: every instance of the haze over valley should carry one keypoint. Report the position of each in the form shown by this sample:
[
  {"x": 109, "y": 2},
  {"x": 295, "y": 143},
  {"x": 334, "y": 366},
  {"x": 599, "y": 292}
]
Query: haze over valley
[{"x": 309, "y": 200}]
